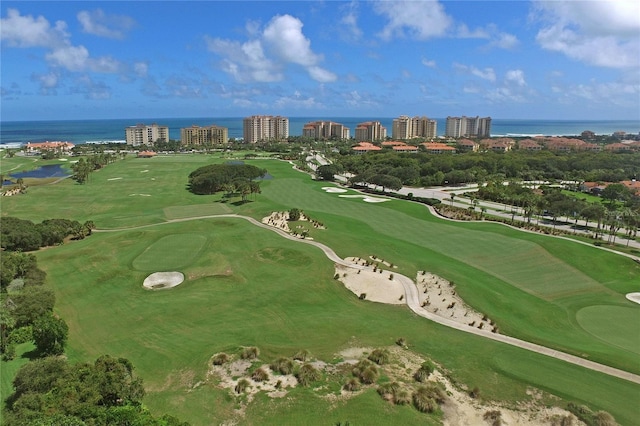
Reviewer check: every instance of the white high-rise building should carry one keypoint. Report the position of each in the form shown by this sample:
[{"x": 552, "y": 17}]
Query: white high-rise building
[
  {"x": 141, "y": 134},
  {"x": 405, "y": 127},
  {"x": 264, "y": 128},
  {"x": 474, "y": 127}
]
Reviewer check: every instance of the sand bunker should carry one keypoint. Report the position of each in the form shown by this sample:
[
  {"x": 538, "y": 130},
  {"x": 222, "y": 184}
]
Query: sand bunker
[
  {"x": 118, "y": 178},
  {"x": 634, "y": 297},
  {"x": 333, "y": 189},
  {"x": 376, "y": 284},
  {"x": 366, "y": 199},
  {"x": 163, "y": 280},
  {"x": 141, "y": 195}
]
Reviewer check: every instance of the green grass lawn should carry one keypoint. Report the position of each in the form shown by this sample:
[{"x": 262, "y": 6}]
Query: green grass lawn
[{"x": 249, "y": 286}]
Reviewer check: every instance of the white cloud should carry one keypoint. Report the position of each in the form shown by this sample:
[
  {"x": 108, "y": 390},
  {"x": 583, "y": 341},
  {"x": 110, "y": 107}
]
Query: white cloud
[
  {"x": 415, "y": 19},
  {"x": 263, "y": 59},
  {"x": 485, "y": 74},
  {"x": 26, "y": 31},
  {"x": 49, "y": 82},
  {"x": 349, "y": 29},
  {"x": 429, "y": 63},
  {"x": 73, "y": 58},
  {"x": 462, "y": 31},
  {"x": 515, "y": 77},
  {"x": 603, "y": 33},
  {"x": 505, "y": 41},
  {"x": 98, "y": 23}
]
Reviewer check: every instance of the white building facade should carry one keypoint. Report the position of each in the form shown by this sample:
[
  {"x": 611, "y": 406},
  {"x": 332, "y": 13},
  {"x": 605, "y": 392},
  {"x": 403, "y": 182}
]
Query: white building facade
[{"x": 141, "y": 134}]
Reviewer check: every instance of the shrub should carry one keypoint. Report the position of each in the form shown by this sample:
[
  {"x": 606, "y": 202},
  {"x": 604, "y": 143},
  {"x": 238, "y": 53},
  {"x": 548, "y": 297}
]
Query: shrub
[
  {"x": 260, "y": 375},
  {"x": 352, "y": 385},
  {"x": 475, "y": 392},
  {"x": 307, "y": 374},
  {"x": 423, "y": 373},
  {"x": 242, "y": 385},
  {"x": 603, "y": 418},
  {"x": 402, "y": 342},
  {"x": 426, "y": 398},
  {"x": 494, "y": 417},
  {"x": 250, "y": 352},
  {"x": 366, "y": 371},
  {"x": 301, "y": 355},
  {"x": 423, "y": 402},
  {"x": 282, "y": 365},
  {"x": 402, "y": 397},
  {"x": 388, "y": 390},
  {"x": 363, "y": 296},
  {"x": 379, "y": 356},
  {"x": 9, "y": 352},
  {"x": 21, "y": 335},
  {"x": 220, "y": 358}
]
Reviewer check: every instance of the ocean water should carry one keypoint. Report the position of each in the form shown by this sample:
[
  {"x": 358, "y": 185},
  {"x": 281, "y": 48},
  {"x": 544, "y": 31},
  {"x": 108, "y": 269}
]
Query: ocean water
[{"x": 16, "y": 133}]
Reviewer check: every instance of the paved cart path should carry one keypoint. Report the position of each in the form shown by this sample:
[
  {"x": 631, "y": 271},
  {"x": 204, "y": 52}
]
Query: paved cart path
[{"x": 413, "y": 302}]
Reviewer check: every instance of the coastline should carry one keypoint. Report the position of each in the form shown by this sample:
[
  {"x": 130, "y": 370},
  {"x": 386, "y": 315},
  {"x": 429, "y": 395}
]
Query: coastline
[{"x": 13, "y": 134}]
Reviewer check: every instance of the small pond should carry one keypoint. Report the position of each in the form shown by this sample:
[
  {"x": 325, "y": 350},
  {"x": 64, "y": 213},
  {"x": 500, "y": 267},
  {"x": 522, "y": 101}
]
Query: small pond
[{"x": 48, "y": 171}]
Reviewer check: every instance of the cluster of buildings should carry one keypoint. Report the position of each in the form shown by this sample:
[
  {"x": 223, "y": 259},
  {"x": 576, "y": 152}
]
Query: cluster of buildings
[{"x": 257, "y": 128}]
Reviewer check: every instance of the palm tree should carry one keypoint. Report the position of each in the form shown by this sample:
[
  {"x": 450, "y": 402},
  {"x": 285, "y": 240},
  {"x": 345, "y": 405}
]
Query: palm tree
[{"x": 452, "y": 195}]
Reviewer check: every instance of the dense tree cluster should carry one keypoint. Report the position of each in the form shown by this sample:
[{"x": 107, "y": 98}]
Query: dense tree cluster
[
  {"x": 618, "y": 209},
  {"x": 23, "y": 235},
  {"x": 424, "y": 169},
  {"x": 227, "y": 177},
  {"x": 50, "y": 391},
  {"x": 85, "y": 166}
]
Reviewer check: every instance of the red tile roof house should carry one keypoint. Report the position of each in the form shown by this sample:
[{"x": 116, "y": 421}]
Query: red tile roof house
[
  {"x": 529, "y": 145},
  {"x": 564, "y": 144},
  {"x": 467, "y": 145},
  {"x": 499, "y": 145},
  {"x": 618, "y": 147},
  {"x": 146, "y": 154},
  {"x": 405, "y": 148},
  {"x": 438, "y": 148},
  {"x": 58, "y": 146},
  {"x": 633, "y": 185},
  {"x": 364, "y": 147},
  {"x": 392, "y": 143},
  {"x": 594, "y": 188}
]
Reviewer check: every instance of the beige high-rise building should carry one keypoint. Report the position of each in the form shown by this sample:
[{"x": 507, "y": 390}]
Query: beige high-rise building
[
  {"x": 208, "y": 135},
  {"x": 141, "y": 134},
  {"x": 370, "y": 131},
  {"x": 264, "y": 128},
  {"x": 325, "y": 130},
  {"x": 468, "y": 127},
  {"x": 405, "y": 127}
]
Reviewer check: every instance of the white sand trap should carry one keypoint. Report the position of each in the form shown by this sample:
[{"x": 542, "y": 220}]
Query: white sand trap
[
  {"x": 118, "y": 178},
  {"x": 141, "y": 195},
  {"x": 634, "y": 297},
  {"x": 374, "y": 200},
  {"x": 333, "y": 189},
  {"x": 63, "y": 159},
  {"x": 144, "y": 171},
  {"x": 366, "y": 198},
  {"x": 163, "y": 280}
]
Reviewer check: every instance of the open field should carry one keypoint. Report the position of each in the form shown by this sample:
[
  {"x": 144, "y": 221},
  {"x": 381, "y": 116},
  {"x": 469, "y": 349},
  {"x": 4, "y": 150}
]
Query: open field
[{"x": 247, "y": 286}]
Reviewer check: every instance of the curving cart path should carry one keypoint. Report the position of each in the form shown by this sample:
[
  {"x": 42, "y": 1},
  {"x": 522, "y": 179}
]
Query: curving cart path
[{"x": 413, "y": 302}]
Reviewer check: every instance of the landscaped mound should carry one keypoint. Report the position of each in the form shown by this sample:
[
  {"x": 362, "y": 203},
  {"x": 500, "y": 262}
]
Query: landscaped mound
[{"x": 163, "y": 280}]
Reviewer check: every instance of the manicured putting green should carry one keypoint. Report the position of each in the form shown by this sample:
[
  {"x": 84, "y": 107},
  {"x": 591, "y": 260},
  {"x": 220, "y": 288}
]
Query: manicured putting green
[
  {"x": 617, "y": 325},
  {"x": 170, "y": 252}
]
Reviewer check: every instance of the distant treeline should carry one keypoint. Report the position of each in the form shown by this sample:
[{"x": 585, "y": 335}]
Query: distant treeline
[
  {"x": 24, "y": 235},
  {"x": 423, "y": 169}
]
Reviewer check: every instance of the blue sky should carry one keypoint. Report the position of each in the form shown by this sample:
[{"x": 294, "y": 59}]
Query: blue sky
[{"x": 505, "y": 59}]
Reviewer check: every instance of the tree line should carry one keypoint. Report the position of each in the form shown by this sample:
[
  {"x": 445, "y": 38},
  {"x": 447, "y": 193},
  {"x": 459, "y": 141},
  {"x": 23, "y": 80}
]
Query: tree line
[
  {"x": 48, "y": 390},
  {"x": 423, "y": 169},
  {"x": 23, "y": 235}
]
